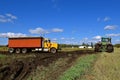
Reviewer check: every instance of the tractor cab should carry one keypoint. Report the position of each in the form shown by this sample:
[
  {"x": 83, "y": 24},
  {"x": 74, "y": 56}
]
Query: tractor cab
[{"x": 105, "y": 41}]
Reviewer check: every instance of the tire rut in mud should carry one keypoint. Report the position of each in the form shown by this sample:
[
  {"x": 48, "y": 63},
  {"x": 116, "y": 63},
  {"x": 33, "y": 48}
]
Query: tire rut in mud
[{"x": 21, "y": 68}]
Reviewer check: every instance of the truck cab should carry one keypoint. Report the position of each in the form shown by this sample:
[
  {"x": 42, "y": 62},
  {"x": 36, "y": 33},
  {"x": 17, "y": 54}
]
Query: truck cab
[{"x": 50, "y": 46}]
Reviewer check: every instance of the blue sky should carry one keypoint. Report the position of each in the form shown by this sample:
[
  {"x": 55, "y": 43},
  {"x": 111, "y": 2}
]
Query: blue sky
[{"x": 63, "y": 21}]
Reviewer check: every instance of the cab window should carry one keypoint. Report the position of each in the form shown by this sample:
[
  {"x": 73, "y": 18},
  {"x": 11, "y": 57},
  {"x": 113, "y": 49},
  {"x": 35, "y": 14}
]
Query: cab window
[
  {"x": 48, "y": 41},
  {"x": 104, "y": 40}
]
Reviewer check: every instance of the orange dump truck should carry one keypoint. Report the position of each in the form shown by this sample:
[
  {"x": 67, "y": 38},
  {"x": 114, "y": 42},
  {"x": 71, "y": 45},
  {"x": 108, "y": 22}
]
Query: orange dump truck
[{"x": 27, "y": 44}]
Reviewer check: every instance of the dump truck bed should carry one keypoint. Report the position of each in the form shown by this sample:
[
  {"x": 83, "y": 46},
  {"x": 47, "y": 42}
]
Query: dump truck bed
[{"x": 25, "y": 42}]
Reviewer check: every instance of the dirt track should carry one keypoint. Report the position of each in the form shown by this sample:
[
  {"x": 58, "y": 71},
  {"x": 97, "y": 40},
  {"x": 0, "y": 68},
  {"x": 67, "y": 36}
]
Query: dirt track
[{"x": 19, "y": 69}]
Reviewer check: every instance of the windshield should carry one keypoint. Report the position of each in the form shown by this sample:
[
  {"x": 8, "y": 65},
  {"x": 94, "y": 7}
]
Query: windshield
[
  {"x": 47, "y": 41},
  {"x": 105, "y": 40}
]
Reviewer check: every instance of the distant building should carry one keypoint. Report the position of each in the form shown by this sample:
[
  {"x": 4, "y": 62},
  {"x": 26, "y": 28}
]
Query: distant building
[
  {"x": 89, "y": 47},
  {"x": 82, "y": 46}
]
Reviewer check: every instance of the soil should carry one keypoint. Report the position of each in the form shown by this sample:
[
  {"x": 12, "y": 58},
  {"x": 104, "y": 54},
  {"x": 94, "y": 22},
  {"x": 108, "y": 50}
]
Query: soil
[{"x": 20, "y": 69}]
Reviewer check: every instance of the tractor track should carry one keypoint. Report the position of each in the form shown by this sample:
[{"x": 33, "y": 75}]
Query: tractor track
[{"x": 20, "y": 69}]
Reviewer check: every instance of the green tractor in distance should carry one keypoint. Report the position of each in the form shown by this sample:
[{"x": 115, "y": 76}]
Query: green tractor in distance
[{"x": 104, "y": 46}]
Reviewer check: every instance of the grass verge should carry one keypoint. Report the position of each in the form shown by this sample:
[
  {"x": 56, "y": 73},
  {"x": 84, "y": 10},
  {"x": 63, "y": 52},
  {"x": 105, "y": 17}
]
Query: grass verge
[
  {"x": 107, "y": 67},
  {"x": 79, "y": 69}
]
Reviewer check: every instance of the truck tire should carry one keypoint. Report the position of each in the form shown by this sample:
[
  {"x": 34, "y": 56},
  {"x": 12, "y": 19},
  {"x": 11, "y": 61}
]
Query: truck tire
[
  {"x": 11, "y": 50},
  {"x": 24, "y": 50},
  {"x": 110, "y": 48},
  {"x": 17, "y": 50},
  {"x": 53, "y": 50}
]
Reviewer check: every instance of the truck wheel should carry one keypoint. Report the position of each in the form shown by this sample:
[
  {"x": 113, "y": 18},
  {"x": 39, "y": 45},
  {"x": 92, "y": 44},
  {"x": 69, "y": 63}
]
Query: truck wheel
[
  {"x": 17, "y": 50},
  {"x": 24, "y": 50},
  {"x": 53, "y": 50},
  {"x": 11, "y": 50}
]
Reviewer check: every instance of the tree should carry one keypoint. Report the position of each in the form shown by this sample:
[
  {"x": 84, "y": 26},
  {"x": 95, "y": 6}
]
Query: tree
[
  {"x": 83, "y": 44},
  {"x": 91, "y": 44}
]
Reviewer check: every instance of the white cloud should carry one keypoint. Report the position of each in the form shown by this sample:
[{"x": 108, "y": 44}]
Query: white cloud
[
  {"x": 69, "y": 42},
  {"x": 57, "y": 30},
  {"x": 118, "y": 41},
  {"x": 54, "y": 39},
  {"x": 62, "y": 38},
  {"x": 1, "y": 16},
  {"x": 113, "y": 35},
  {"x": 38, "y": 31},
  {"x": 97, "y": 37},
  {"x": 10, "y": 34},
  {"x": 72, "y": 38},
  {"x": 110, "y": 27},
  {"x": 7, "y": 18},
  {"x": 3, "y": 20},
  {"x": 85, "y": 38},
  {"x": 107, "y": 19},
  {"x": 11, "y": 16},
  {"x": 93, "y": 41}
]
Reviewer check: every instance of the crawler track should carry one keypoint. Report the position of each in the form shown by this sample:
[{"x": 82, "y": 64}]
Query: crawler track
[{"x": 19, "y": 69}]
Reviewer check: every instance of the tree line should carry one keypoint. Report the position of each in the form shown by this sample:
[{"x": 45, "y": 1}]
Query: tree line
[
  {"x": 83, "y": 44},
  {"x": 117, "y": 45},
  {"x": 73, "y": 45}
]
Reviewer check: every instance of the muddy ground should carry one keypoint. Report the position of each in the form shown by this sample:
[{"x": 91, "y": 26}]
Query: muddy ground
[{"x": 20, "y": 67}]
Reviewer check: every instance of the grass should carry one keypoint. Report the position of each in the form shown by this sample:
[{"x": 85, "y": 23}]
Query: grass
[
  {"x": 79, "y": 69},
  {"x": 3, "y": 48},
  {"x": 2, "y": 56},
  {"x": 107, "y": 67}
]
